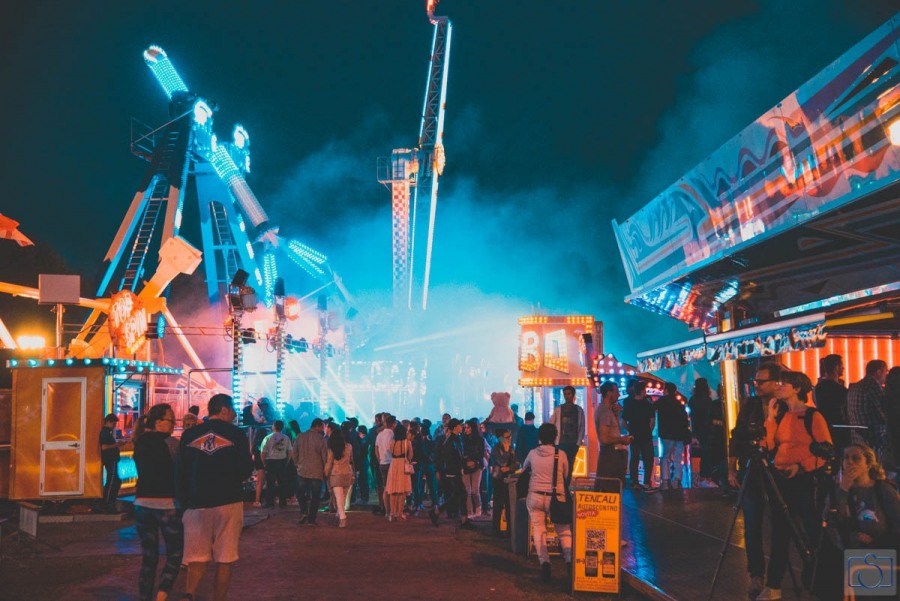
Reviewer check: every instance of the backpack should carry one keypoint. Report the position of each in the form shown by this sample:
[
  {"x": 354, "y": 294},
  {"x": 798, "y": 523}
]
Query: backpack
[
  {"x": 807, "y": 419},
  {"x": 822, "y": 450}
]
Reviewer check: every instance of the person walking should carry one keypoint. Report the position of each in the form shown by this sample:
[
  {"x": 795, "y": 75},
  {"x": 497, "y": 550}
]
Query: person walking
[
  {"x": 503, "y": 465},
  {"x": 569, "y": 421},
  {"x": 383, "y": 442},
  {"x": 398, "y": 483},
  {"x": 526, "y": 437},
  {"x": 274, "y": 452},
  {"x": 449, "y": 461},
  {"x": 541, "y": 462},
  {"x": 340, "y": 471},
  {"x": 309, "y": 456},
  {"x": 473, "y": 466},
  {"x": 700, "y": 405},
  {"x": 155, "y": 511},
  {"x": 637, "y": 412},
  {"x": 213, "y": 464},
  {"x": 675, "y": 432}
]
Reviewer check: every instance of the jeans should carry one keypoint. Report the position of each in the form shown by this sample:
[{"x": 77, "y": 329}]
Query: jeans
[
  {"x": 571, "y": 451},
  {"x": 641, "y": 450},
  {"x": 672, "y": 453},
  {"x": 753, "y": 507},
  {"x": 362, "y": 482},
  {"x": 309, "y": 492},
  {"x": 454, "y": 495},
  {"x": 380, "y": 482},
  {"x": 427, "y": 477},
  {"x": 113, "y": 483},
  {"x": 276, "y": 481},
  {"x": 149, "y": 524},
  {"x": 501, "y": 502},
  {"x": 340, "y": 494},
  {"x": 611, "y": 463},
  {"x": 798, "y": 496},
  {"x": 472, "y": 483},
  {"x": 538, "y": 509}
]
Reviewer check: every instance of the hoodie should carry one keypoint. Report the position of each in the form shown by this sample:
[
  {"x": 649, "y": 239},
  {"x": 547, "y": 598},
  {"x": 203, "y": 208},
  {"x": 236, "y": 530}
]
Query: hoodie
[{"x": 540, "y": 461}]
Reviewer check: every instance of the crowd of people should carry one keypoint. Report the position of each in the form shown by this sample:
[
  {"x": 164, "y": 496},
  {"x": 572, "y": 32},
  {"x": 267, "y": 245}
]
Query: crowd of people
[{"x": 819, "y": 460}]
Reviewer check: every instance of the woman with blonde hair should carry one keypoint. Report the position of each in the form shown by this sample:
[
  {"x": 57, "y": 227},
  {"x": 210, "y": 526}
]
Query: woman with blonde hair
[
  {"x": 863, "y": 511},
  {"x": 866, "y": 505}
]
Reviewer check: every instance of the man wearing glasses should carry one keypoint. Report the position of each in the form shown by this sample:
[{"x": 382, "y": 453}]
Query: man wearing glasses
[{"x": 745, "y": 438}]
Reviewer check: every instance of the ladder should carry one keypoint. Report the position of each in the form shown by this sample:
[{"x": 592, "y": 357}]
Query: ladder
[
  {"x": 223, "y": 242},
  {"x": 155, "y": 203}
]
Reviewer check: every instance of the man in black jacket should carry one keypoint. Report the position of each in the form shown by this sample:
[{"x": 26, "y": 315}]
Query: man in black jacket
[
  {"x": 450, "y": 466},
  {"x": 638, "y": 413},
  {"x": 745, "y": 437},
  {"x": 213, "y": 463}
]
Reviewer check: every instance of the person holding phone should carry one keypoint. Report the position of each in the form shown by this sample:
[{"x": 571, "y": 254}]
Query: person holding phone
[{"x": 613, "y": 459}]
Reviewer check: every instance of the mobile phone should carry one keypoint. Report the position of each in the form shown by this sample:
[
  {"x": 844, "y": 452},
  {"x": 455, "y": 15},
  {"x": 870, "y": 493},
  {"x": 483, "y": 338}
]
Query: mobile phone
[
  {"x": 590, "y": 564},
  {"x": 609, "y": 564}
]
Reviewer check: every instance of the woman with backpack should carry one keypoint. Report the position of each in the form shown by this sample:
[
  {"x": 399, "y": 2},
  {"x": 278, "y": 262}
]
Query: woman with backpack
[{"x": 795, "y": 467}]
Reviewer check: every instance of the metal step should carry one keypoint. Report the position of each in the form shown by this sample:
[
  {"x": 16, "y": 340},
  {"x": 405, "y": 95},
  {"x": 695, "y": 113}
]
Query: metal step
[{"x": 159, "y": 196}]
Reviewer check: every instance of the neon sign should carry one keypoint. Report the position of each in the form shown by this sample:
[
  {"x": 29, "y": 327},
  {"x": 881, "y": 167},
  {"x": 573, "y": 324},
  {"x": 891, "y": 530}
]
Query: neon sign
[
  {"x": 127, "y": 321},
  {"x": 550, "y": 349}
]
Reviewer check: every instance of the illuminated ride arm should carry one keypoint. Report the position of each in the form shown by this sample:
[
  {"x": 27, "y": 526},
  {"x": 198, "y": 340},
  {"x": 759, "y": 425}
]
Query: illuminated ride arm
[{"x": 431, "y": 132}]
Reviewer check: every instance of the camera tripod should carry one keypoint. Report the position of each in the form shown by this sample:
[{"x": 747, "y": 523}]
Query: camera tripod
[{"x": 757, "y": 467}]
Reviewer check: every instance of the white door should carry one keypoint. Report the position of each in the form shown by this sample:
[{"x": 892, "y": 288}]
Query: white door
[{"x": 63, "y": 412}]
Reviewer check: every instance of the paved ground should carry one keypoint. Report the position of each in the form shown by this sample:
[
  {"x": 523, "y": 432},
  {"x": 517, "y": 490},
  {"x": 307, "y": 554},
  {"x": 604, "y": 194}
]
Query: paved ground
[
  {"x": 676, "y": 538},
  {"x": 280, "y": 560}
]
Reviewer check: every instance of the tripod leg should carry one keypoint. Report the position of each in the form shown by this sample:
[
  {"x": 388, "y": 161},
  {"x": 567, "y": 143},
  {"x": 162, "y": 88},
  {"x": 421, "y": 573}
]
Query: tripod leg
[{"x": 737, "y": 506}]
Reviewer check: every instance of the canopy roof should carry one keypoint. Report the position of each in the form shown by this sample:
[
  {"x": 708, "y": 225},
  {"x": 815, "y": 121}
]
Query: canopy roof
[{"x": 799, "y": 211}]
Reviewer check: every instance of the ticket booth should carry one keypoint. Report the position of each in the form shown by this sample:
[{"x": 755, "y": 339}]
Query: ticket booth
[{"x": 58, "y": 408}]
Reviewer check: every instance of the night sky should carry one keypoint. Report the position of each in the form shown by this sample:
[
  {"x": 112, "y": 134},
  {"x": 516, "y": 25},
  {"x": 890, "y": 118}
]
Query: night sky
[{"x": 561, "y": 116}]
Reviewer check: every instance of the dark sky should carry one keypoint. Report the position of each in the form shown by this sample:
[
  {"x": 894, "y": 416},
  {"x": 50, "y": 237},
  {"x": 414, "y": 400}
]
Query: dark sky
[{"x": 561, "y": 116}]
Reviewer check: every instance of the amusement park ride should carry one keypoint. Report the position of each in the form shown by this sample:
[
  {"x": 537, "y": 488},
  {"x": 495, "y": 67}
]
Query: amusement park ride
[
  {"x": 409, "y": 171},
  {"x": 239, "y": 242}
]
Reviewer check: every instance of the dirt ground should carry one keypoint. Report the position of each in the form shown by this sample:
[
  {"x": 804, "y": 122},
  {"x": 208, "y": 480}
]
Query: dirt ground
[{"x": 281, "y": 560}]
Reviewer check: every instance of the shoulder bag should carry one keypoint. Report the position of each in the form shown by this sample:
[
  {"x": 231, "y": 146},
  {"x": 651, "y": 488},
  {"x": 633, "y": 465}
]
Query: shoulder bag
[
  {"x": 408, "y": 468},
  {"x": 560, "y": 511}
]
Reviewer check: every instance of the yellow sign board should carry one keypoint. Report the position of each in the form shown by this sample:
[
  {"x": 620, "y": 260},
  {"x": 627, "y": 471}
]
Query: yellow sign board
[{"x": 596, "y": 547}]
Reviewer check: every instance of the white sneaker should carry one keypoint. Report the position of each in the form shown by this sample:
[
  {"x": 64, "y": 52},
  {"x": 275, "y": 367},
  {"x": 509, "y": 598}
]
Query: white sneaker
[{"x": 769, "y": 594}]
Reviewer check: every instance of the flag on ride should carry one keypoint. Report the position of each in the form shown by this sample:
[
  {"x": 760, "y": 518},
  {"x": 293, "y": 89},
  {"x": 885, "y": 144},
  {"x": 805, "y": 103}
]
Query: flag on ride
[{"x": 9, "y": 229}]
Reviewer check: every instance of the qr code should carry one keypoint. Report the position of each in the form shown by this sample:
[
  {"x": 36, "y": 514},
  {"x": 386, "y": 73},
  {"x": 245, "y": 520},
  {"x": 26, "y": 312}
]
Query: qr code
[{"x": 596, "y": 540}]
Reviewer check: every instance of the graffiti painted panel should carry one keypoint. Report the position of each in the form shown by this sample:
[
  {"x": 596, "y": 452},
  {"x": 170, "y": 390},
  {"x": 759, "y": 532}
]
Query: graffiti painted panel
[{"x": 822, "y": 147}]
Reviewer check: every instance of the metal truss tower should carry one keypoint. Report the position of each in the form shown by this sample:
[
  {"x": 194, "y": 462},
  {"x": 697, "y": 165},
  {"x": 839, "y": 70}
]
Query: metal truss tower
[{"x": 415, "y": 171}]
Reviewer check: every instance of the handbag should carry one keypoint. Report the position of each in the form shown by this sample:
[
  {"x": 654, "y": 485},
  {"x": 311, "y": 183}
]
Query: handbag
[
  {"x": 408, "y": 468},
  {"x": 560, "y": 511}
]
